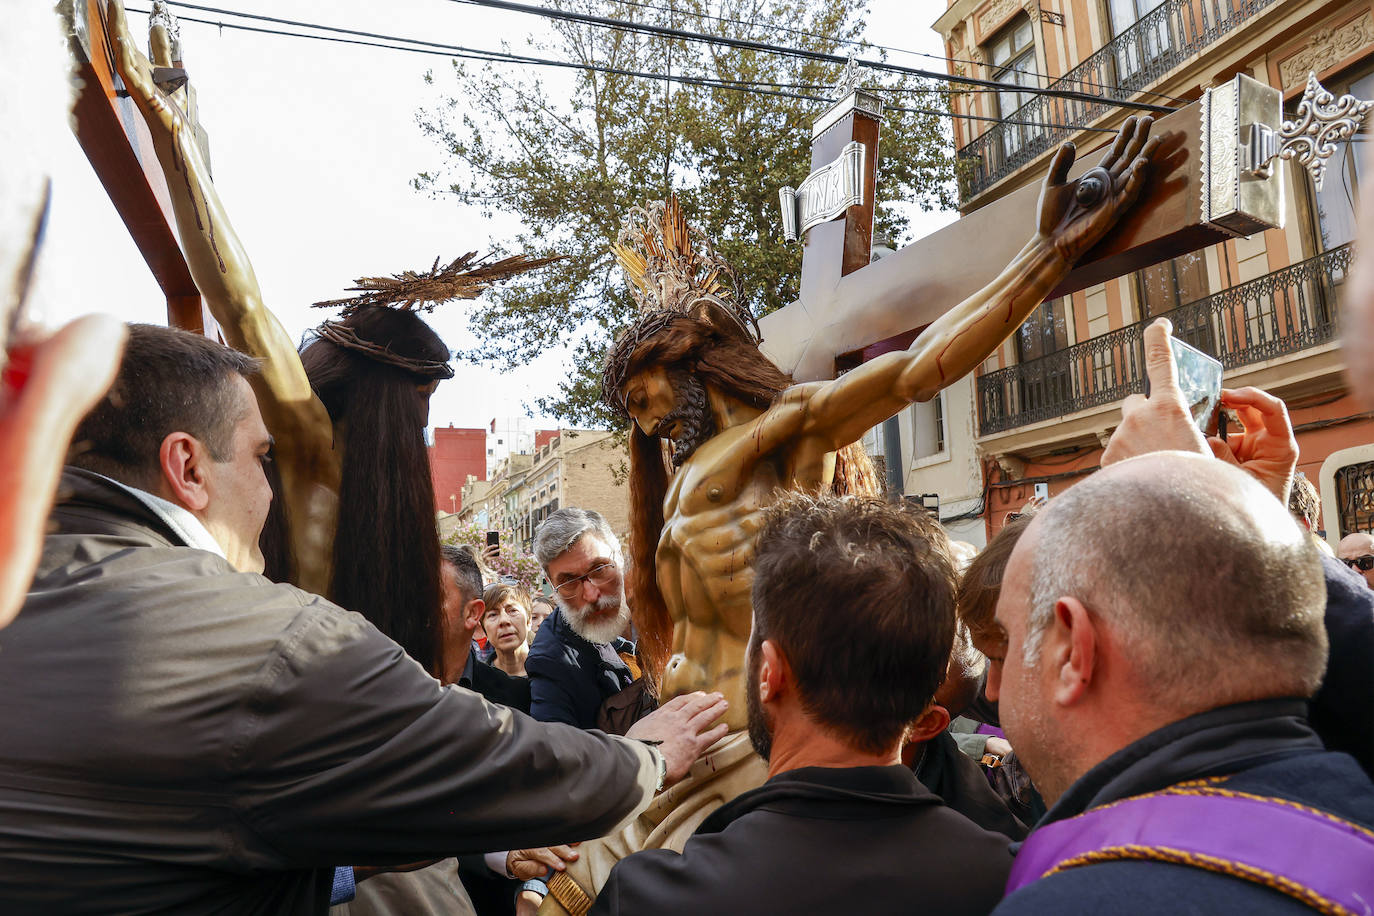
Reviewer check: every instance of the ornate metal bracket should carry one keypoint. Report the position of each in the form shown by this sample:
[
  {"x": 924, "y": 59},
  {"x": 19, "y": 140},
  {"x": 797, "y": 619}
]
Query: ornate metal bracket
[
  {"x": 1239, "y": 147},
  {"x": 1323, "y": 121},
  {"x": 825, "y": 194}
]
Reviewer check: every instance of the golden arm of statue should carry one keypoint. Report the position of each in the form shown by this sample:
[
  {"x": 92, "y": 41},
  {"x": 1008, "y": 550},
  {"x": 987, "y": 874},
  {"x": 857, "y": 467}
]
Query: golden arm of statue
[
  {"x": 303, "y": 450},
  {"x": 1073, "y": 217}
]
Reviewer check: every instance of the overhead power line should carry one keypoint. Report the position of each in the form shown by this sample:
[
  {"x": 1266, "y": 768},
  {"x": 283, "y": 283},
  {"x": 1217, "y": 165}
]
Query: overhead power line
[
  {"x": 400, "y": 43},
  {"x": 869, "y": 44},
  {"x": 745, "y": 44}
]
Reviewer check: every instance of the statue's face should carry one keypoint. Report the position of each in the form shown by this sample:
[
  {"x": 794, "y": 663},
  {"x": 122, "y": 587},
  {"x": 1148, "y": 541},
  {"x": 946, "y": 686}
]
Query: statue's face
[{"x": 650, "y": 399}]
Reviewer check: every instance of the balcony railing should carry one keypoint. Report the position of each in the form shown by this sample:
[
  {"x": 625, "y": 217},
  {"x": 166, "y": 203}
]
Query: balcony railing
[
  {"x": 1137, "y": 58},
  {"x": 1277, "y": 314}
]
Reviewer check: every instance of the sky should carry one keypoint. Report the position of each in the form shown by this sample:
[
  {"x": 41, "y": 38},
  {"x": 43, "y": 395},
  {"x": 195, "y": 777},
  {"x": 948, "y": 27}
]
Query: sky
[{"x": 314, "y": 145}]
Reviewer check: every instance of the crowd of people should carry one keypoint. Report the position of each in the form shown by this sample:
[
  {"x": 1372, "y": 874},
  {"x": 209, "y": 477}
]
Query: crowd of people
[
  {"x": 245, "y": 746},
  {"x": 1154, "y": 693}
]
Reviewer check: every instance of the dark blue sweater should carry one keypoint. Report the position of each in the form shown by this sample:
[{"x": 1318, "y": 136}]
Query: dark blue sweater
[
  {"x": 1265, "y": 748},
  {"x": 570, "y": 677}
]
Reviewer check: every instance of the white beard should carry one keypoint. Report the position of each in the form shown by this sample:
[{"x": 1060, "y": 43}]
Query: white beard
[{"x": 600, "y": 631}]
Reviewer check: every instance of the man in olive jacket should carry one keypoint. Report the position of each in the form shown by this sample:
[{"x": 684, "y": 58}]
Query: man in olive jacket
[{"x": 183, "y": 735}]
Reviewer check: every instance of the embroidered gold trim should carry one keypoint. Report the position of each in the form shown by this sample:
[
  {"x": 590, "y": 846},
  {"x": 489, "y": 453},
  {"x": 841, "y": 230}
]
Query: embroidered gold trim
[
  {"x": 573, "y": 898},
  {"x": 1283, "y": 885}
]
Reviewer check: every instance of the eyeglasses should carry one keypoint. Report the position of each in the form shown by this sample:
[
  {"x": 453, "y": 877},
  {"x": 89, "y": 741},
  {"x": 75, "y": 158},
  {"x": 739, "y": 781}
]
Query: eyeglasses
[
  {"x": 1364, "y": 563},
  {"x": 602, "y": 576}
]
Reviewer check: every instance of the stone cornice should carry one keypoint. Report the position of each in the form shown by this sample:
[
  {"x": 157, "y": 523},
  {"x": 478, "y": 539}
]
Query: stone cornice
[{"x": 956, "y": 14}]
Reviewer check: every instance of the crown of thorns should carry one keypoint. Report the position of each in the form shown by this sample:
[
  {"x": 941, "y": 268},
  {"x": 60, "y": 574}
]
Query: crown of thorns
[
  {"x": 676, "y": 273},
  {"x": 341, "y": 335}
]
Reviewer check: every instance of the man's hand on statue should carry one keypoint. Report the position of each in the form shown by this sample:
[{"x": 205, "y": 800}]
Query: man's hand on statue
[
  {"x": 49, "y": 384},
  {"x": 1267, "y": 449},
  {"x": 525, "y": 864},
  {"x": 1075, "y": 215},
  {"x": 1162, "y": 421},
  {"x": 681, "y": 730}
]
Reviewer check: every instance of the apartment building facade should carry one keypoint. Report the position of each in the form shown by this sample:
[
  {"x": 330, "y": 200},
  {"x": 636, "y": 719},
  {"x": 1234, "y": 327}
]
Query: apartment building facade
[
  {"x": 571, "y": 467},
  {"x": 1041, "y": 408}
]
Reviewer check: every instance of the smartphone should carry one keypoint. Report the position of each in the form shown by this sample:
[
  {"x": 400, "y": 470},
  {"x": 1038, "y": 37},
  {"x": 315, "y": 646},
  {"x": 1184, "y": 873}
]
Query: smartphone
[
  {"x": 493, "y": 539},
  {"x": 1199, "y": 378}
]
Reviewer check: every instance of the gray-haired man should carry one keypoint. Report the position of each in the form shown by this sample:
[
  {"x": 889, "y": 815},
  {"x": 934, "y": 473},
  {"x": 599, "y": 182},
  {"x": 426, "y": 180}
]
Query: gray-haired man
[{"x": 575, "y": 663}]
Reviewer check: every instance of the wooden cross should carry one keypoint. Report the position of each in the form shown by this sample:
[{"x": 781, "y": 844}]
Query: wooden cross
[
  {"x": 849, "y": 306},
  {"x": 120, "y": 150}
]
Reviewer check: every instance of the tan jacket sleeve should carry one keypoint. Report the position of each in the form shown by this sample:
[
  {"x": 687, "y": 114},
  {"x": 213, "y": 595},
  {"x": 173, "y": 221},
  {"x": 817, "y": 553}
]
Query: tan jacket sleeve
[{"x": 349, "y": 753}]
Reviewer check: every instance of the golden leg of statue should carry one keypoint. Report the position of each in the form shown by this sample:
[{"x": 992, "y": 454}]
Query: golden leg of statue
[{"x": 308, "y": 465}]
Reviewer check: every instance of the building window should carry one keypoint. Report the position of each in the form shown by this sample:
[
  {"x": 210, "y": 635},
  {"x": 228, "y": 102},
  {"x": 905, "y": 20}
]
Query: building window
[
  {"x": 928, "y": 428},
  {"x": 1011, "y": 57},
  {"x": 1147, "y": 45},
  {"x": 1043, "y": 334},
  {"x": 1335, "y": 202},
  {"x": 1355, "y": 497},
  {"x": 1164, "y": 287}
]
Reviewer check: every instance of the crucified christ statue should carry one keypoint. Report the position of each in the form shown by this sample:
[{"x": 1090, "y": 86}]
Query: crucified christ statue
[{"x": 690, "y": 371}]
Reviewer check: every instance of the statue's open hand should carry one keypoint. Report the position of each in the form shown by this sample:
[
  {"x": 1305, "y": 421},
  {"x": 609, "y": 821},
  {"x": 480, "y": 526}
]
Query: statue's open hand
[{"x": 1074, "y": 215}]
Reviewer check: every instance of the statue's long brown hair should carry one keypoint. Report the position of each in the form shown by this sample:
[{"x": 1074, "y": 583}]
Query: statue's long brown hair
[
  {"x": 735, "y": 367},
  {"x": 386, "y": 549}
]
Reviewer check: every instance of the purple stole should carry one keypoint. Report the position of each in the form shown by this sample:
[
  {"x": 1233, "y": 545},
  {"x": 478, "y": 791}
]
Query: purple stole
[{"x": 1314, "y": 857}]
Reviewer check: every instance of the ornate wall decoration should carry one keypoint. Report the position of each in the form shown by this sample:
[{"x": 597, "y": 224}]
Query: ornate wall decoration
[
  {"x": 997, "y": 12},
  {"x": 1326, "y": 48}
]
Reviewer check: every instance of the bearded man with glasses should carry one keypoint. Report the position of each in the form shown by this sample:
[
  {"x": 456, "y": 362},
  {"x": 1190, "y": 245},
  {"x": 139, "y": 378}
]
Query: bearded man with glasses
[{"x": 580, "y": 657}]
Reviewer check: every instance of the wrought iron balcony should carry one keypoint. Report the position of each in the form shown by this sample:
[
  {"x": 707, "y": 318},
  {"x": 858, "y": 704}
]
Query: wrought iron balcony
[
  {"x": 1280, "y": 313},
  {"x": 1137, "y": 58}
]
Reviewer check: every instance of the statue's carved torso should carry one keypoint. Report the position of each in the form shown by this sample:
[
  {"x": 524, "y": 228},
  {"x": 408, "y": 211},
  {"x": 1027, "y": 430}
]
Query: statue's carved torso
[{"x": 705, "y": 560}]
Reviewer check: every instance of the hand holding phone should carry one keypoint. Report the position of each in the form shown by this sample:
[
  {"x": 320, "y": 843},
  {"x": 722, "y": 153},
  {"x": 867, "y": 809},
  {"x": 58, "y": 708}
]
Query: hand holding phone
[
  {"x": 1199, "y": 382},
  {"x": 1161, "y": 420},
  {"x": 1266, "y": 447}
]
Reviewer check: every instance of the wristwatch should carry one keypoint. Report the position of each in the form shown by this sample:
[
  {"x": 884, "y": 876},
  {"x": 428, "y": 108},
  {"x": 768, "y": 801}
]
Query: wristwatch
[
  {"x": 662, "y": 770},
  {"x": 991, "y": 760},
  {"x": 662, "y": 762}
]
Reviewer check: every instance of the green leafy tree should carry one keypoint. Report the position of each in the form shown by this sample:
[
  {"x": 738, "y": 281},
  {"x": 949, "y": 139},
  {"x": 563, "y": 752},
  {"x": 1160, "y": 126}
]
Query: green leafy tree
[
  {"x": 570, "y": 164},
  {"x": 509, "y": 563}
]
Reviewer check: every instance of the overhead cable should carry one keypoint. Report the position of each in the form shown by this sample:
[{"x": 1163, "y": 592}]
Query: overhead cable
[
  {"x": 484, "y": 55},
  {"x": 750, "y": 45},
  {"x": 869, "y": 44}
]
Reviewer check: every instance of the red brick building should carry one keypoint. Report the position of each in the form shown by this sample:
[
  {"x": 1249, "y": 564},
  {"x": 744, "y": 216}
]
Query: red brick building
[{"x": 455, "y": 454}]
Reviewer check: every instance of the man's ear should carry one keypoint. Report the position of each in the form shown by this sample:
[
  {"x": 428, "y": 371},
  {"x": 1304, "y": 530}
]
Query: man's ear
[
  {"x": 775, "y": 674},
  {"x": 181, "y": 460},
  {"x": 933, "y": 721},
  {"x": 473, "y": 618},
  {"x": 1075, "y": 649}
]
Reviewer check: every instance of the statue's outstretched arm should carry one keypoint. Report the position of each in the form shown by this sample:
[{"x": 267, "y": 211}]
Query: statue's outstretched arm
[
  {"x": 309, "y": 467},
  {"x": 1073, "y": 218}
]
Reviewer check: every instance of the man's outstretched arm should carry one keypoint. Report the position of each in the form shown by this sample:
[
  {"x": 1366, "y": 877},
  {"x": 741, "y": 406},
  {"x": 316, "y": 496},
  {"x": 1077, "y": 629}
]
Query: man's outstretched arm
[
  {"x": 1074, "y": 216},
  {"x": 309, "y": 467}
]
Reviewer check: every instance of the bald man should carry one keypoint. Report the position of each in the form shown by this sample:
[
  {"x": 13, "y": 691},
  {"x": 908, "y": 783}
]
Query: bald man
[
  {"x": 1146, "y": 685},
  {"x": 1357, "y": 551}
]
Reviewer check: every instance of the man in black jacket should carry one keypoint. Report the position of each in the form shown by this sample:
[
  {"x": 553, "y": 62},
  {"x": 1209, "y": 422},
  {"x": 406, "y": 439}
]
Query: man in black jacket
[{"x": 853, "y": 620}]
